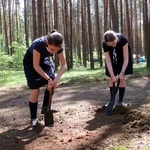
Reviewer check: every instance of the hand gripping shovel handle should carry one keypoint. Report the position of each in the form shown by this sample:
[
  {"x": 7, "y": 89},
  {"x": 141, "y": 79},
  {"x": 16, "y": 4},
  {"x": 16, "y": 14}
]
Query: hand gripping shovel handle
[
  {"x": 48, "y": 117},
  {"x": 111, "y": 103}
]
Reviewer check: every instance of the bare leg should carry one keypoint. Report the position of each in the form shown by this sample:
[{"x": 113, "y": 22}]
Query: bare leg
[
  {"x": 122, "y": 82},
  {"x": 34, "y": 95},
  {"x": 121, "y": 88}
]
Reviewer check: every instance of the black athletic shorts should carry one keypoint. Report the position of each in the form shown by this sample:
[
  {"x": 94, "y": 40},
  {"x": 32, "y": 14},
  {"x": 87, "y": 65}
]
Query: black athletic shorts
[{"x": 34, "y": 80}]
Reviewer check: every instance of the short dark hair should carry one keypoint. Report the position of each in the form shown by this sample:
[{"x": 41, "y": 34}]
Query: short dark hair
[
  {"x": 55, "y": 38},
  {"x": 109, "y": 36}
]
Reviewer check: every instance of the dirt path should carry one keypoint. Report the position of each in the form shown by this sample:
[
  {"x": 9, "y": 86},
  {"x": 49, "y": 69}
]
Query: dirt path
[{"x": 80, "y": 123}]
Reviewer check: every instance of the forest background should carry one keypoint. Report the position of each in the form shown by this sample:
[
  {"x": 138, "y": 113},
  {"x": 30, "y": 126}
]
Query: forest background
[{"x": 82, "y": 23}]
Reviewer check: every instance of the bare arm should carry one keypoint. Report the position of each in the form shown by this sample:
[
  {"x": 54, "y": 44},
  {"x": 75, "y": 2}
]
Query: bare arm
[
  {"x": 126, "y": 60},
  {"x": 109, "y": 64},
  {"x": 62, "y": 68},
  {"x": 60, "y": 72},
  {"x": 36, "y": 64}
]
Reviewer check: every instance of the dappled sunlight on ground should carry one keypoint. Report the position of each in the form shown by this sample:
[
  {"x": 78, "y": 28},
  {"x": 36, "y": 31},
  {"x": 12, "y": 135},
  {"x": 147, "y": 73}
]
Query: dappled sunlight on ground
[{"x": 80, "y": 123}]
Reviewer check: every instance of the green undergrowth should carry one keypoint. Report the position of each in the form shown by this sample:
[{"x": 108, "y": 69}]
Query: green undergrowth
[{"x": 76, "y": 75}]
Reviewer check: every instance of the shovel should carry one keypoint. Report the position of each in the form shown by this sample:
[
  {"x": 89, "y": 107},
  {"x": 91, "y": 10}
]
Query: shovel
[
  {"x": 48, "y": 116},
  {"x": 111, "y": 103}
]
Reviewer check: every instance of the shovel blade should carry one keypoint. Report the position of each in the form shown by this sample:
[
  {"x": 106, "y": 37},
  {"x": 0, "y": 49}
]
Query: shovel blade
[
  {"x": 48, "y": 119},
  {"x": 109, "y": 108}
]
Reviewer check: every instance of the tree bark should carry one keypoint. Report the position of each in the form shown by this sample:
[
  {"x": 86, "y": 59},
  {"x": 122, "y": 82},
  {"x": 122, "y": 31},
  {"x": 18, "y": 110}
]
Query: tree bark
[
  {"x": 105, "y": 15},
  {"x": 5, "y": 27},
  {"x": 84, "y": 44},
  {"x": 98, "y": 34},
  {"x": 90, "y": 35},
  {"x": 40, "y": 17},
  {"x": 113, "y": 13}
]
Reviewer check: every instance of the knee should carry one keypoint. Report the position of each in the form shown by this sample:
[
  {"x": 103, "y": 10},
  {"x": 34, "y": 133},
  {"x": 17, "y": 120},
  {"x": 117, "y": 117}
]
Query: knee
[
  {"x": 34, "y": 95},
  {"x": 122, "y": 83}
]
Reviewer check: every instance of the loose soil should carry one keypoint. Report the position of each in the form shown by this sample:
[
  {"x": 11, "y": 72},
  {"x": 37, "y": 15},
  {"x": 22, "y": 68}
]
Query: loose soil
[{"x": 81, "y": 123}]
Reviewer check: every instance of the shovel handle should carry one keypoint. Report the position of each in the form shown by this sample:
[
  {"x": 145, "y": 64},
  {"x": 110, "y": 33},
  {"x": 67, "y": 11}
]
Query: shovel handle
[
  {"x": 115, "y": 88},
  {"x": 50, "y": 97},
  {"x": 118, "y": 83}
]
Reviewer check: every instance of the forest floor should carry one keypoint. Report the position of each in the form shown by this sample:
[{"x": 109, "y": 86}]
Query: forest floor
[{"x": 81, "y": 123}]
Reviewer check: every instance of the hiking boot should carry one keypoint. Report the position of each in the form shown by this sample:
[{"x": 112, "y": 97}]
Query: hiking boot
[{"x": 34, "y": 122}]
